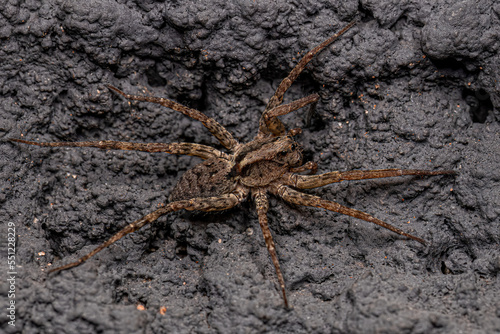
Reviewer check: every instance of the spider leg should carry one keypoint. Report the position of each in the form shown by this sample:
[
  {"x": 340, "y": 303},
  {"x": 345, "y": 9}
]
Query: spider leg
[
  {"x": 219, "y": 132},
  {"x": 314, "y": 181},
  {"x": 311, "y": 166},
  {"x": 273, "y": 124},
  {"x": 300, "y": 198},
  {"x": 277, "y": 98},
  {"x": 198, "y": 150},
  {"x": 202, "y": 204},
  {"x": 262, "y": 205}
]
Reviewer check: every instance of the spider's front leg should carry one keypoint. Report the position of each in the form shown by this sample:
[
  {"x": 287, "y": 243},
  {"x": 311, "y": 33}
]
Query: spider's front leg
[
  {"x": 300, "y": 198},
  {"x": 207, "y": 204},
  {"x": 273, "y": 124},
  {"x": 315, "y": 181},
  {"x": 270, "y": 123},
  {"x": 311, "y": 166}
]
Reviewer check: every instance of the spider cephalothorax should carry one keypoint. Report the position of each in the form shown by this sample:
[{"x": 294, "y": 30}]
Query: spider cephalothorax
[{"x": 269, "y": 164}]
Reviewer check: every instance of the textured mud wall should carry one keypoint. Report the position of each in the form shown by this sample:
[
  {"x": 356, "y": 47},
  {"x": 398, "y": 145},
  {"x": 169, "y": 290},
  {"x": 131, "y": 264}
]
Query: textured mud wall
[{"x": 414, "y": 85}]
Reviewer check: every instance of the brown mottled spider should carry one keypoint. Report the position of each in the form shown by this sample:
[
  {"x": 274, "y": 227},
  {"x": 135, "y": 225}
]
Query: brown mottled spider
[{"x": 267, "y": 164}]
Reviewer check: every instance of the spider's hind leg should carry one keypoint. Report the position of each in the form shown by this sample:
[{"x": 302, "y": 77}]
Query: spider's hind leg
[
  {"x": 219, "y": 203},
  {"x": 198, "y": 150}
]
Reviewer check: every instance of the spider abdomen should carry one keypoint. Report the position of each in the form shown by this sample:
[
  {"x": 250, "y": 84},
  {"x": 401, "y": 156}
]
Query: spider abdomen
[{"x": 210, "y": 178}]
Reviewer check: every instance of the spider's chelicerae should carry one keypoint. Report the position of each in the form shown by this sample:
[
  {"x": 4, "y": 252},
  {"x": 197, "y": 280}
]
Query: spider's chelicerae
[{"x": 269, "y": 164}]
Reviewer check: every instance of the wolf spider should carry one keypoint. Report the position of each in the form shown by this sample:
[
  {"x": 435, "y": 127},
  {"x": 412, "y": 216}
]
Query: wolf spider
[{"x": 267, "y": 164}]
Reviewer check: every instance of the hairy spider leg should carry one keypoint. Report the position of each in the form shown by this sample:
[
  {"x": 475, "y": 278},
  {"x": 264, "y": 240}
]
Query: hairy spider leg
[
  {"x": 197, "y": 150},
  {"x": 311, "y": 166},
  {"x": 207, "y": 204},
  {"x": 271, "y": 116},
  {"x": 273, "y": 125},
  {"x": 315, "y": 181},
  {"x": 300, "y": 198},
  {"x": 262, "y": 205},
  {"x": 217, "y": 130}
]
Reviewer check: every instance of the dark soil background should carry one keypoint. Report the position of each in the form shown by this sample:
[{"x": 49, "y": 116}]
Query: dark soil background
[{"x": 415, "y": 84}]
